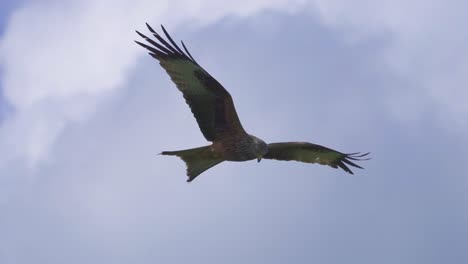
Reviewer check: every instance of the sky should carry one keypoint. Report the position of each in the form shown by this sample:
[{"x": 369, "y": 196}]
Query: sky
[{"x": 84, "y": 111}]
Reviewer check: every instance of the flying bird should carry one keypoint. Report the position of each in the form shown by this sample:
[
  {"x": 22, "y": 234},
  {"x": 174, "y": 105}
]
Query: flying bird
[{"x": 214, "y": 110}]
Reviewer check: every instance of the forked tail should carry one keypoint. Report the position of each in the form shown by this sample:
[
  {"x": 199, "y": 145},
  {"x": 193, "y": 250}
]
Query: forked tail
[{"x": 197, "y": 160}]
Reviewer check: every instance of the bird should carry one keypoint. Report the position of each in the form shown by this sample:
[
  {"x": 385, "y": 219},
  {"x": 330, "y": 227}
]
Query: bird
[{"x": 214, "y": 111}]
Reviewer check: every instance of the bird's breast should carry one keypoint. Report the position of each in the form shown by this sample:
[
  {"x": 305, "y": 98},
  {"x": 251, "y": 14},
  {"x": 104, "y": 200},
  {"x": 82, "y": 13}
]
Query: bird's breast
[{"x": 235, "y": 149}]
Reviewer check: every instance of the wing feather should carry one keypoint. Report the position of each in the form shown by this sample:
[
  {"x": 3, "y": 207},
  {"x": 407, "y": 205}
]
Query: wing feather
[
  {"x": 188, "y": 52},
  {"x": 210, "y": 103},
  {"x": 312, "y": 153},
  {"x": 152, "y": 42},
  {"x": 172, "y": 41}
]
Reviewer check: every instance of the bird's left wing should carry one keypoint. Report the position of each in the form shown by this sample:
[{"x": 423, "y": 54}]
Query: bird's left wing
[
  {"x": 312, "y": 153},
  {"x": 211, "y": 104}
]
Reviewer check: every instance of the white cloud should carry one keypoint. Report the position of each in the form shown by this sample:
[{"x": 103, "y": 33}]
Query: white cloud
[
  {"x": 59, "y": 60},
  {"x": 109, "y": 198},
  {"x": 428, "y": 46}
]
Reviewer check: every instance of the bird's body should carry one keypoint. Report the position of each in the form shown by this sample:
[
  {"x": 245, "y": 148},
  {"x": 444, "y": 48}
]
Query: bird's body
[
  {"x": 214, "y": 110},
  {"x": 237, "y": 148}
]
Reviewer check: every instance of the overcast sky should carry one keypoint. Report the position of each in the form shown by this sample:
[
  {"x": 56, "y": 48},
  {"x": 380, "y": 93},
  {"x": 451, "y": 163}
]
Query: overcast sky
[{"x": 84, "y": 111}]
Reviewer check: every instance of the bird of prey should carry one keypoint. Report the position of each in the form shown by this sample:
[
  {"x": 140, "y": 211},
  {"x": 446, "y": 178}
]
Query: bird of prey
[{"x": 213, "y": 108}]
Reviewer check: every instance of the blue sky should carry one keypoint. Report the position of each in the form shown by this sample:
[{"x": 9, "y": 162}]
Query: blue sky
[{"x": 80, "y": 181}]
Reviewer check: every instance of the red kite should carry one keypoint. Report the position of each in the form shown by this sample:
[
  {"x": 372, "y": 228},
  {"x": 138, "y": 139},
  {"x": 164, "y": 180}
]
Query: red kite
[{"x": 214, "y": 110}]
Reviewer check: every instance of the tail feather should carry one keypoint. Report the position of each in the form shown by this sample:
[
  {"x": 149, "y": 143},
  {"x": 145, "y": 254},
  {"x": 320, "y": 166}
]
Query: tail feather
[{"x": 197, "y": 160}]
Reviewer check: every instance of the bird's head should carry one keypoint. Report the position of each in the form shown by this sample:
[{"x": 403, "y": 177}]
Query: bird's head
[{"x": 260, "y": 147}]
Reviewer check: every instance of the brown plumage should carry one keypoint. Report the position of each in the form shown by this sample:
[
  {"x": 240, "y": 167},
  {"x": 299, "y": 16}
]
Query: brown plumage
[{"x": 214, "y": 110}]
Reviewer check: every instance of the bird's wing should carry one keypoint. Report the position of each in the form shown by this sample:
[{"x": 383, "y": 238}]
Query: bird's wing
[
  {"x": 210, "y": 103},
  {"x": 312, "y": 153}
]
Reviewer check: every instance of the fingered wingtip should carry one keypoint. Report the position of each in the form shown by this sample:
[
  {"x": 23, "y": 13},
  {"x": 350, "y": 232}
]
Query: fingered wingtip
[{"x": 350, "y": 158}]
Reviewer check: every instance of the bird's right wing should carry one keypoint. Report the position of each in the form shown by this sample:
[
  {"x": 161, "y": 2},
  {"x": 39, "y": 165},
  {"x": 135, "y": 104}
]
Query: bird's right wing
[
  {"x": 312, "y": 153},
  {"x": 210, "y": 103}
]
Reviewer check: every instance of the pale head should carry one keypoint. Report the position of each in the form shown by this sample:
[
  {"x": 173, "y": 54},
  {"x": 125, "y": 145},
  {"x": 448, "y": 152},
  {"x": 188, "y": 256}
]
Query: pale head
[{"x": 260, "y": 147}]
